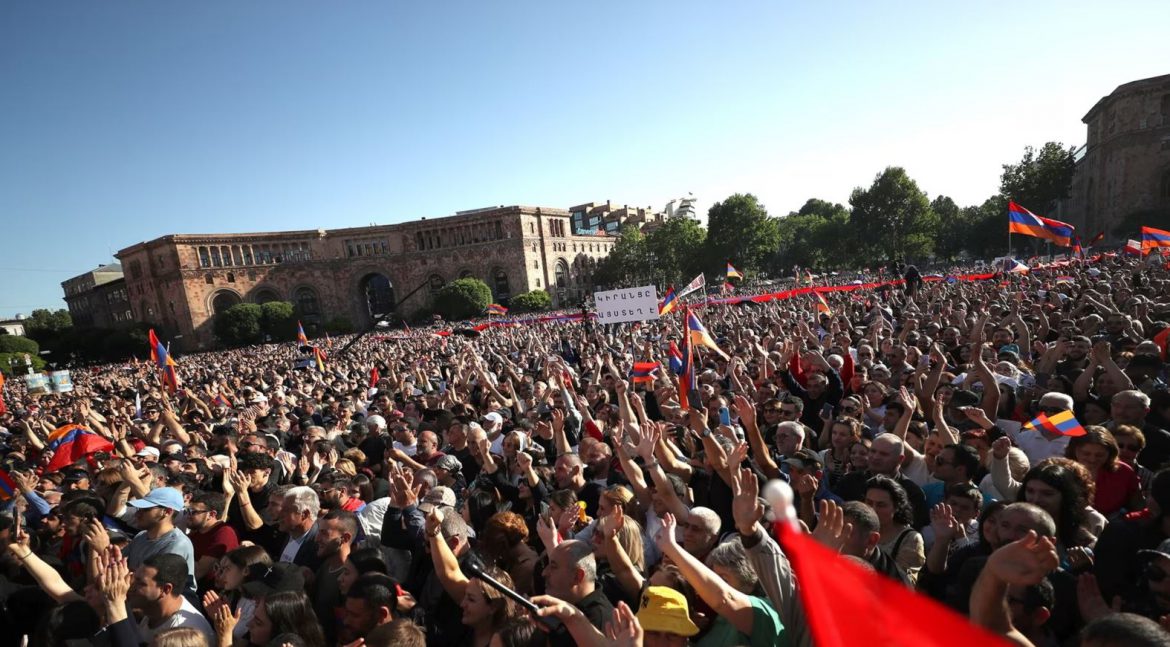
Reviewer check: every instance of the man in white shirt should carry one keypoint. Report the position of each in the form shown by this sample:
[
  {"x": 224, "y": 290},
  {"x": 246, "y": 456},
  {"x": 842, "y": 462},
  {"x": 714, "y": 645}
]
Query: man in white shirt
[
  {"x": 157, "y": 589},
  {"x": 1039, "y": 444}
]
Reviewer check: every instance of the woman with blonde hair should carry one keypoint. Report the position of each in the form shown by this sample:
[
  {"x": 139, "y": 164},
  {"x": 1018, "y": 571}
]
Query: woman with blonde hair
[{"x": 179, "y": 637}]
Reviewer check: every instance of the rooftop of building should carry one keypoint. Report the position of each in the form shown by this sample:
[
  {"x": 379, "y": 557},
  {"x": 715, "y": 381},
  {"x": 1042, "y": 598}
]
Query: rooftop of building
[{"x": 1127, "y": 88}]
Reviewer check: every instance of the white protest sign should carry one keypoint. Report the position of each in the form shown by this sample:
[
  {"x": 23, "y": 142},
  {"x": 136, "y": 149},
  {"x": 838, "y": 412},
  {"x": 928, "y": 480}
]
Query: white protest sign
[{"x": 626, "y": 304}]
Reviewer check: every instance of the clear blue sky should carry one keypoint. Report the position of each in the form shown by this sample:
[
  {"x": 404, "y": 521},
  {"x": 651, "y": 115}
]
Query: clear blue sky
[{"x": 123, "y": 121}]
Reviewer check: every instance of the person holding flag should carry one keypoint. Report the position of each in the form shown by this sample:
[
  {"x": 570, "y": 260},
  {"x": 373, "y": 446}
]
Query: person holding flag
[
  {"x": 167, "y": 368},
  {"x": 1022, "y": 221},
  {"x": 669, "y": 301},
  {"x": 733, "y": 273},
  {"x": 302, "y": 339}
]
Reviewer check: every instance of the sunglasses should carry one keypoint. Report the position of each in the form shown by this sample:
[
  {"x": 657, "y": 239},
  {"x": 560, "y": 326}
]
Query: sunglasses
[{"x": 1133, "y": 448}]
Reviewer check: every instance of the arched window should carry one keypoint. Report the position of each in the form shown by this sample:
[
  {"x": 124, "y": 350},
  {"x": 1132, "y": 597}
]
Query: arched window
[
  {"x": 222, "y": 301},
  {"x": 306, "y": 300},
  {"x": 266, "y": 295},
  {"x": 562, "y": 273},
  {"x": 436, "y": 283},
  {"x": 466, "y": 274},
  {"x": 379, "y": 294},
  {"x": 500, "y": 282}
]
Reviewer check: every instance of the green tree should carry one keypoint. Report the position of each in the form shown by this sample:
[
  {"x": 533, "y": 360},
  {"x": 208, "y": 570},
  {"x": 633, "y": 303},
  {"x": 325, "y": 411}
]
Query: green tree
[
  {"x": 533, "y": 301},
  {"x": 676, "y": 249},
  {"x": 739, "y": 229},
  {"x": 239, "y": 324},
  {"x": 7, "y": 367},
  {"x": 278, "y": 320},
  {"x": 1040, "y": 179},
  {"x": 43, "y": 323},
  {"x": 15, "y": 344},
  {"x": 627, "y": 263},
  {"x": 463, "y": 298},
  {"x": 987, "y": 228},
  {"x": 953, "y": 228},
  {"x": 816, "y": 236},
  {"x": 895, "y": 217}
]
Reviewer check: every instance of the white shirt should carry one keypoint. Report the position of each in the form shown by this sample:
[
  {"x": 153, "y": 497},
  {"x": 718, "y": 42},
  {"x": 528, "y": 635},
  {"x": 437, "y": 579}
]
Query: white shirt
[
  {"x": 1036, "y": 447},
  {"x": 186, "y": 616},
  {"x": 290, "y": 549}
]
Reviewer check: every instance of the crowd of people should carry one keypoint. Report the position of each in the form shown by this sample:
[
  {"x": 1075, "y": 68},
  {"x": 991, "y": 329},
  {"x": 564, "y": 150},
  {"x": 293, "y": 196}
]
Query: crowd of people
[{"x": 519, "y": 487}]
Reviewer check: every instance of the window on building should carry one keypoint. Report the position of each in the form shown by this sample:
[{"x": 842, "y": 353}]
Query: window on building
[
  {"x": 248, "y": 255},
  {"x": 204, "y": 258},
  {"x": 231, "y": 277},
  {"x": 562, "y": 274},
  {"x": 216, "y": 261},
  {"x": 436, "y": 283},
  {"x": 306, "y": 300},
  {"x": 209, "y": 280}
]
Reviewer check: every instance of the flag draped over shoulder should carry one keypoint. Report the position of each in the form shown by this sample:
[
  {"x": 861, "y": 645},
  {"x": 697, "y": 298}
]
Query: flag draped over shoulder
[
  {"x": 836, "y": 593},
  {"x": 1152, "y": 238},
  {"x": 1022, "y": 221},
  {"x": 166, "y": 364},
  {"x": 71, "y": 443}
]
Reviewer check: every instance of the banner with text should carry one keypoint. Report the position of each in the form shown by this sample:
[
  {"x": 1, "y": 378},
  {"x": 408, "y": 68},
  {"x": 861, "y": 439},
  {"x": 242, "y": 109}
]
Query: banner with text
[{"x": 626, "y": 304}]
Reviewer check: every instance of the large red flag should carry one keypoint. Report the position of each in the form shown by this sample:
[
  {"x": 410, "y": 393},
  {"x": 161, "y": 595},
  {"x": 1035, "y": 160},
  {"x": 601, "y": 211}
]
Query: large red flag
[
  {"x": 374, "y": 377},
  {"x": 846, "y": 605}
]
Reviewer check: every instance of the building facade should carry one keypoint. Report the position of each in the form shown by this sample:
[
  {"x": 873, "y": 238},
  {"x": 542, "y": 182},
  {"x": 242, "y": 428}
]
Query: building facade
[
  {"x": 179, "y": 282},
  {"x": 98, "y": 298},
  {"x": 1125, "y": 169}
]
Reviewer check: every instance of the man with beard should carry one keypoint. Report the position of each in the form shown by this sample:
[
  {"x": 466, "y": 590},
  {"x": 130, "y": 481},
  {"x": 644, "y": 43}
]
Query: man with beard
[
  {"x": 569, "y": 473},
  {"x": 155, "y": 516},
  {"x": 335, "y": 535},
  {"x": 211, "y": 538},
  {"x": 157, "y": 590}
]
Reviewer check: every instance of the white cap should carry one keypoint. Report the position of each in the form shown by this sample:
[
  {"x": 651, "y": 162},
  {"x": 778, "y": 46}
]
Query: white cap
[
  {"x": 149, "y": 451},
  {"x": 377, "y": 421}
]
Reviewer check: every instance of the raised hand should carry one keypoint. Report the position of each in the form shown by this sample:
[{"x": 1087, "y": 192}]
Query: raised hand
[
  {"x": 1001, "y": 447},
  {"x": 665, "y": 537},
  {"x": 1024, "y": 562},
  {"x": 744, "y": 408},
  {"x": 745, "y": 504},
  {"x": 623, "y": 629},
  {"x": 434, "y": 521},
  {"x": 95, "y": 536},
  {"x": 942, "y": 521},
  {"x": 832, "y": 530},
  {"x": 546, "y": 529},
  {"x": 650, "y": 437}
]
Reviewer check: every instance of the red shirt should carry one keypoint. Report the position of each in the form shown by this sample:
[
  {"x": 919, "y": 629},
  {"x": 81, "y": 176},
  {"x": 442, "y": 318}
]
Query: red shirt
[
  {"x": 1115, "y": 489},
  {"x": 215, "y": 542}
]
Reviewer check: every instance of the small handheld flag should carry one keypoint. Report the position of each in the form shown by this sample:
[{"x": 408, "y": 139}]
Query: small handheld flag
[
  {"x": 302, "y": 340},
  {"x": 496, "y": 309},
  {"x": 676, "y": 358},
  {"x": 1063, "y": 423},
  {"x": 71, "y": 443},
  {"x": 668, "y": 302},
  {"x": 733, "y": 273},
  {"x": 644, "y": 372},
  {"x": 822, "y": 305},
  {"x": 165, "y": 363},
  {"x": 7, "y": 486},
  {"x": 221, "y": 400},
  {"x": 688, "y": 382},
  {"x": 320, "y": 357}
]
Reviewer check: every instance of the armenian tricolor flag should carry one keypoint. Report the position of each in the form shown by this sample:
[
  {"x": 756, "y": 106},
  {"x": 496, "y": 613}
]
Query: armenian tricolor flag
[
  {"x": 668, "y": 302},
  {"x": 699, "y": 336},
  {"x": 72, "y": 443},
  {"x": 1076, "y": 247},
  {"x": 688, "y": 380},
  {"x": 7, "y": 486},
  {"x": 1063, "y": 423},
  {"x": 733, "y": 273},
  {"x": 822, "y": 305},
  {"x": 644, "y": 371},
  {"x": 496, "y": 309},
  {"x": 221, "y": 400},
  {"x": 676, "y": 359},
  {"x": 302, "y": 339},
  {"x": 1152, "y": 238},
  {"x": 1022, "y": 221},
  {"x": 165, "y": 363},
  {"x": 319, "y": 355}
]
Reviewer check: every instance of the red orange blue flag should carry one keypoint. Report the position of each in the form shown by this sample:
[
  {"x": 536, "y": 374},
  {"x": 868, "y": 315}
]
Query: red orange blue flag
[
  {"x": 644, "y": 371},
  {"x": 699, "y": 336},
  {"x": 668, "y": 302},
  {"x": 1022, "y": 221},
  {"x": 822, "y": 305},
  {"x": 71, "y": 443},
  {"x": 676, "y": 359},
  {"x": 165, "y": 363},
  {"x": 302, "y": 339},
  {"x": 1063, "y": 423},
  {"x": 688, "y": 382},
  {"x": 1152, "y": 238},
  {"x": 496, "y": 309},
  {"x": 733, "y": 273},
  {"x": 7, "y": 486}
]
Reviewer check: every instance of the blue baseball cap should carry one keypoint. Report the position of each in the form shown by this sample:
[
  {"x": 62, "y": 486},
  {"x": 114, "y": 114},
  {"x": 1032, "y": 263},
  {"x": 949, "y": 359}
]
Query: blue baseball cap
[{"x": 164, "y": 497}]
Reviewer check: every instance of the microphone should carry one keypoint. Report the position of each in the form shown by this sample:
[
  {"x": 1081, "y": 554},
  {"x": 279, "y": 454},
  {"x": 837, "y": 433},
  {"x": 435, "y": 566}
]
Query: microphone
[{"x": 473, "y": 569}]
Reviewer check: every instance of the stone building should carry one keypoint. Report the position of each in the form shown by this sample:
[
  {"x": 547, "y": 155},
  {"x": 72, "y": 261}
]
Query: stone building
[
  {"x": 178, "y": 282},
  {"x": 98, "y": 298},
  {"x": 1125, "y": 168}
]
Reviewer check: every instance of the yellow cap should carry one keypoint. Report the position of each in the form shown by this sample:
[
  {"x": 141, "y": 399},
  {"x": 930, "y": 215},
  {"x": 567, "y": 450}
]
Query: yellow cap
[{"x": 664, "y": 609}]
